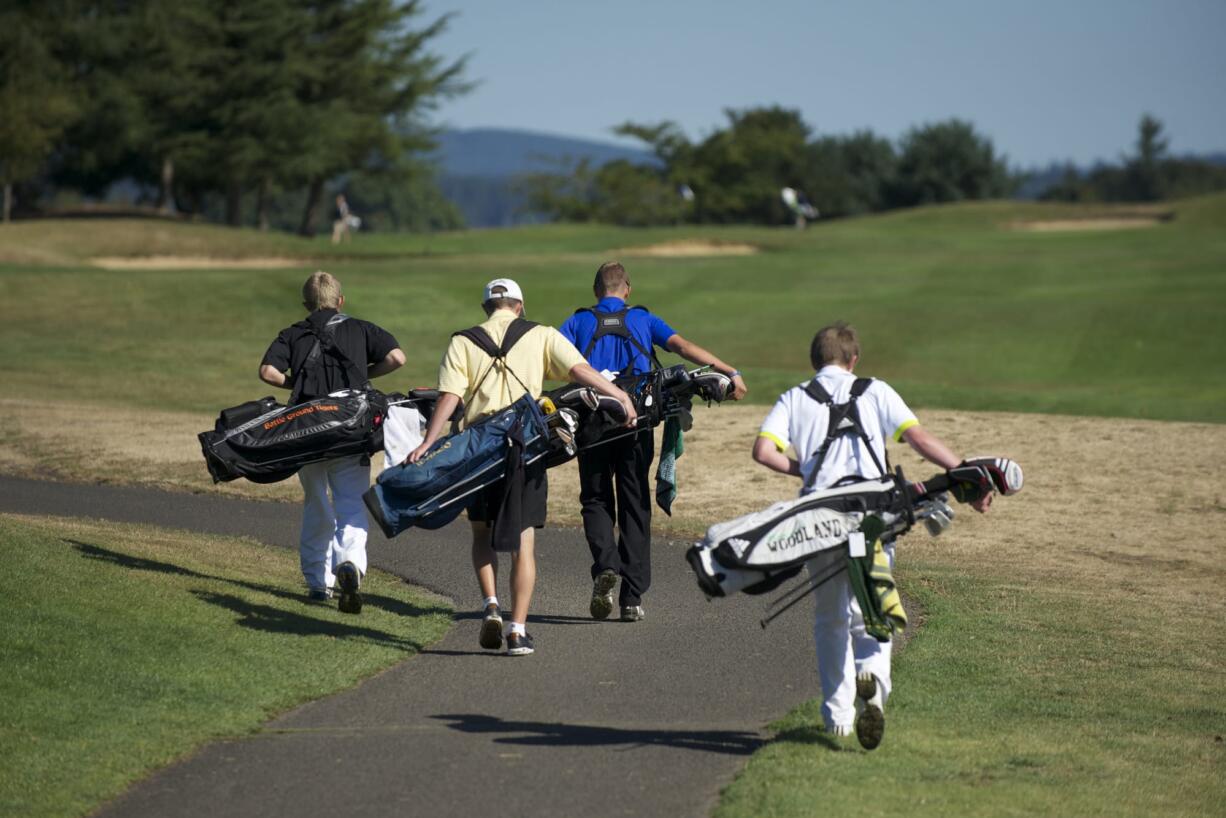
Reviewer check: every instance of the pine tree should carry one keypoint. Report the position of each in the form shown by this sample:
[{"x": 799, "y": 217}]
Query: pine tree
[{"x": 36, "y": 99}]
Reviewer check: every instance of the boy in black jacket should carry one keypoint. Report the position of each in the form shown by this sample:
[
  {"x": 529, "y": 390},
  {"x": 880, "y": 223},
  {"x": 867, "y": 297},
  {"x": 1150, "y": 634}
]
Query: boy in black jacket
[{"x": 332, "y": 546}]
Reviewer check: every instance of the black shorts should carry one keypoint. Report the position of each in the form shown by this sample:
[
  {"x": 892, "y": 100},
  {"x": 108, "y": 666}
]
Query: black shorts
[{"x": 488, "y": 501}]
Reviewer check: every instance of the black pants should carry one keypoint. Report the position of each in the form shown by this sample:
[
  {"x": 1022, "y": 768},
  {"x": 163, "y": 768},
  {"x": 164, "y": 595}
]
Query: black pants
[{"x": 615, "y": 485}]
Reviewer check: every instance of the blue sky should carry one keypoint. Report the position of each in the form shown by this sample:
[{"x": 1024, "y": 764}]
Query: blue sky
[{"x": 1045, "y": 80}]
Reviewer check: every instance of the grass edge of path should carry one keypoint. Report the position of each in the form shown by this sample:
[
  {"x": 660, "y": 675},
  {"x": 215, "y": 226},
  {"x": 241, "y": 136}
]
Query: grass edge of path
[{"x": 130, "y": 647}]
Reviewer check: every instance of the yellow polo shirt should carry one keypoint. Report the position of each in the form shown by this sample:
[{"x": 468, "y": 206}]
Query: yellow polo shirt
[{"x": 542, "y": 353}]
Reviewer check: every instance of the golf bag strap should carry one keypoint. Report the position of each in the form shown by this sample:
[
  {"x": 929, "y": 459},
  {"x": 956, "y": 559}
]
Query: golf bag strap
[
  {"x": 840, "y": 412},
  {"x": 482, "y": 340},
  {"x": 614, "y": 323},
  {"x": 354, "y": 377}
]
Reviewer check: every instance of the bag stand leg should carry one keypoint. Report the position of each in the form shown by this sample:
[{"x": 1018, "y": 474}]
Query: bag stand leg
[{"x": 789, "y": 599}]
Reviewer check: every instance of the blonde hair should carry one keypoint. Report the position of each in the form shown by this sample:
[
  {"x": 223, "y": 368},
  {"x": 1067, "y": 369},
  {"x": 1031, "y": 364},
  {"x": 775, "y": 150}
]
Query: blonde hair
[
  {"x": 837, "y": 343},
  {"x": 321, "y": 292}
]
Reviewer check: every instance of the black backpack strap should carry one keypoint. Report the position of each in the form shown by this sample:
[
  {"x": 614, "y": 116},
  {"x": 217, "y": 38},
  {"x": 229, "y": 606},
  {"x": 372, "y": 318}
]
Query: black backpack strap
[
  {"x": 844, "y": 418},
  {"x": 482, "y": 340},
  {"x": 518, "y": 329},
  {"x": 815, "y": 390},
  {"x": 614, "y": 323},
  {"x": 325, "y": 341}
]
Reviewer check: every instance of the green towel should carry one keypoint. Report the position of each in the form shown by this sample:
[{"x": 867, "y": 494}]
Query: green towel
[
  {"x": 671, "y": 447},
  {"x": 873, "y": 584}
]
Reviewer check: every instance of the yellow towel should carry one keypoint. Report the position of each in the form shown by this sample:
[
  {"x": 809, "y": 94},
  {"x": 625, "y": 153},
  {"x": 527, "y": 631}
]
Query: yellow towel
[{"x": 873, "y": 584}]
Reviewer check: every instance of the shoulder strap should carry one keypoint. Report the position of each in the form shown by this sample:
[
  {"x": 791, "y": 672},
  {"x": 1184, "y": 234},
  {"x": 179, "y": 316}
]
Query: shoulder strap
[
  {"x": 518, "y": 329},
  {"x": 614, "y": 323},
  {"x": 815, "y": 390},
  {"x": 482, "y": 340},
  {"x": 650, "y": 352},
  {"x": 844, "y": 418},
  {"x": 325, "y": 340}
]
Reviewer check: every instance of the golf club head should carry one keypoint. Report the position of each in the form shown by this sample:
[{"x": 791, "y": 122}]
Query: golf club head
[
  {"x": 610, "y": 407},
  {"x": 712, "y": 386},
  {"x": 568, "y": 440},
  {"x": 1005, "y": 474},
  {"x": 564, "y": 419},
  {"x": 674, "y": 376},
  {"x": 936, "y": 514},
  {"x": 578, "y": 396}
]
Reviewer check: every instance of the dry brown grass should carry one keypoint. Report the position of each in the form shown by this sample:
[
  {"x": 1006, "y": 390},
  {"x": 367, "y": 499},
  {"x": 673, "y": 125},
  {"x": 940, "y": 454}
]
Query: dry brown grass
[{"x": 1110, "y": 506}]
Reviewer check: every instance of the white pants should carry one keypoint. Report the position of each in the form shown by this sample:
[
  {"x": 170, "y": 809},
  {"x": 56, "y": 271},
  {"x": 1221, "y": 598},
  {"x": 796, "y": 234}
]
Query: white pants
[
  {"x": 333, "y": 527},
  {"x": 844, "y": 648}
]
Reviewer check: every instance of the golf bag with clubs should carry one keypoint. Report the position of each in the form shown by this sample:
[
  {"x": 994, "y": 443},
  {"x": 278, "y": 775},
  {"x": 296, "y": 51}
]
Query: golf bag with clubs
[
  {"x": 266, "y": 442},
  {"x": 432, "y": 492},
  {"x": 758, "y": 552},
  {"x": 657, "y": 396}
]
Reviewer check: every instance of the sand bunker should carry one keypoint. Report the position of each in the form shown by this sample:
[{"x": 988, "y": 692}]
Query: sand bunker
[
  {"x": 197, "y": 263},
  {"x": 687, "y": 248},
  {"x": 1074, "y": 225}
]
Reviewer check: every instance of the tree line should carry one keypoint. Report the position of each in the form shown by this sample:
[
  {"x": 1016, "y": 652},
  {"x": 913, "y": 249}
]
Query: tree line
[
  {"x": 222, "y": 106},
  {"x": 1149, "y": 174},
  {"x": 737, "y": 172}
]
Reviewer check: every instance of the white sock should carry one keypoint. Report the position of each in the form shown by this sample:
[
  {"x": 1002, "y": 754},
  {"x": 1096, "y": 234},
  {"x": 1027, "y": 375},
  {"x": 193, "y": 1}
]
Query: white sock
[
  {"x": 514, "y": 627},
  {"x": 489, "y": 600}
]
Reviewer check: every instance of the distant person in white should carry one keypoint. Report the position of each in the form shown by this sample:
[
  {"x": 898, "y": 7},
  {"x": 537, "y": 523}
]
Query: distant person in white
[
  {"x": 345, "y": 221},
  {"x": 846, "y": 654}
]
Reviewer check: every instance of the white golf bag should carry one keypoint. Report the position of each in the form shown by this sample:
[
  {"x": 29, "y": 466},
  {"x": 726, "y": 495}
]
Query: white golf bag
[{"x": 757, "y": 552}]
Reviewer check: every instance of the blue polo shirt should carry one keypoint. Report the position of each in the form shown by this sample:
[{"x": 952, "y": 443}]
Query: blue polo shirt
[{"x": 612, "y": 352}]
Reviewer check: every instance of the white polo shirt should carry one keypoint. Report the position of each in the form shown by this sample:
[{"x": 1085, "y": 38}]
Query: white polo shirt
[{"x": 800, "y": 421}]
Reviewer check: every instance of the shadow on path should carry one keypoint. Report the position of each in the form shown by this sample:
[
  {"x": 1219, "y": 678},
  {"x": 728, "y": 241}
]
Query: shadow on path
[
  {"x": 546, "y": 619},
  {"x": 555, "y": 734}
]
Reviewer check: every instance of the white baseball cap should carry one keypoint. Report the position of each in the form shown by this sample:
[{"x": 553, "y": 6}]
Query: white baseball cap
[{"x": 512, "y": 290}]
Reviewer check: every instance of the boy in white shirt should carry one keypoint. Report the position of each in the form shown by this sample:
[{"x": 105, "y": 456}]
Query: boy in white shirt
[{"x": 854, "y": 668}]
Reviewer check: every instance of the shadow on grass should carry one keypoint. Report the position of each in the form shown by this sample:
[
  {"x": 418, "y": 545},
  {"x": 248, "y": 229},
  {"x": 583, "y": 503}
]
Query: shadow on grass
[
  {"x": 264, "y": 617},
  {"x": 278, "y": 620},
  {"x": 131, "y": 563},
  {"x": 812, "y": 735},
  {"x": 556, "y": 734}
]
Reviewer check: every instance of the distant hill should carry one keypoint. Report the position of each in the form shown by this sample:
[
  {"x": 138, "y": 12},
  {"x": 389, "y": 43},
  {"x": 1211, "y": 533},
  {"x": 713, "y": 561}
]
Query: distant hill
[{"x": 479, "y": 167}]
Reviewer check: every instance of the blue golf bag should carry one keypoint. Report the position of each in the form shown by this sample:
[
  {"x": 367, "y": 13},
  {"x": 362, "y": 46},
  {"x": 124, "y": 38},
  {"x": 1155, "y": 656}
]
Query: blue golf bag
[{"x": 433, "y": 491}]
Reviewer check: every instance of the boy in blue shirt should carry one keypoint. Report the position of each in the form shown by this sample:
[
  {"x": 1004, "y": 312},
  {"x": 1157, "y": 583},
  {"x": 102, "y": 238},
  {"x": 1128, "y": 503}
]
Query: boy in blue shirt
[{"x": 614, "y": 479}]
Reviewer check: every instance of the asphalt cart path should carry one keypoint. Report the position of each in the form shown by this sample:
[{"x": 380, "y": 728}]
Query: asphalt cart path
[{"x": 651, "y": 718}]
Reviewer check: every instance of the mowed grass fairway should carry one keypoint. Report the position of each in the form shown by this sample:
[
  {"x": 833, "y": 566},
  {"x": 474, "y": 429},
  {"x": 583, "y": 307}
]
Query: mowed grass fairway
[
  {"x": 1071, "y": 662},
  {"x": 127, "y": 646},
  {"x": 957, "y": 309}
]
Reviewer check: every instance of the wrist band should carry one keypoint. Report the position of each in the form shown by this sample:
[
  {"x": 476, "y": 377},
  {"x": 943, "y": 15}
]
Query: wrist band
[{"x": 736, "y": 373}]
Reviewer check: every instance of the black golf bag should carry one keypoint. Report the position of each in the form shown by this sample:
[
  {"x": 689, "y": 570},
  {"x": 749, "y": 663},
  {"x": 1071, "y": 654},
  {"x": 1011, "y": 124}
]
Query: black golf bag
[
  {"x": 266, "y": 442},
  {"x": 659, "y": 394}
]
